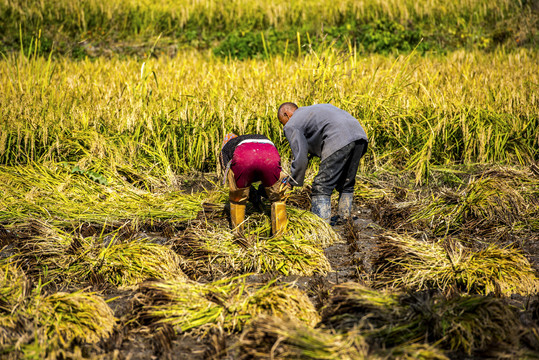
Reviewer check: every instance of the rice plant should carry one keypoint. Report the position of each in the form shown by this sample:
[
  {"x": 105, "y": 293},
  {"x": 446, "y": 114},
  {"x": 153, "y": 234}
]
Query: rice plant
[
  {"x": 489, "y": 201},
  {"x": 415, "y": 351},
  {"x": 462, "y": 323},
  {"x": 69, "y": 316},
  {"x": 415, "y": 264},
  {"x": 269, "y": 337},
  {"x": 106, "y": 259},
  {"x": 152, "y": 118},
  {"x": 14, "y": 286},
  {"x": 39, "y": 324},
  {"x": 66, "y": 199},
  {"x": 214, "y": 249},
  {"x": 230, "y": 303}
]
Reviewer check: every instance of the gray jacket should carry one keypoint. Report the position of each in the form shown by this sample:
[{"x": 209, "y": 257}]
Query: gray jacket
[{"x": 319, "y": 130}]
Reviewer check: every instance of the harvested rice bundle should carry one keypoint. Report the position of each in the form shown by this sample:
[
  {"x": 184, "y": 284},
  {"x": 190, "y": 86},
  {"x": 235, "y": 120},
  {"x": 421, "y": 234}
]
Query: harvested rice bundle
[
  {"x": 125, "y": 263},
  {"x": 270, "y": 337},
  {"x": 213, "y": 249},
  {"x": 407, "y": 262},
  {"x": 300, "y": 197},
  {"x": 466, "y": 323},
  {"x": 230, "y": 303},
  {"x": 375, "y": 314},
  {"x": 49, "y": 252},
  {"x": 42, "y": 326},
  {"x": 280, "y": 300},
  {"x": 69, "y": 316},
  {"x": 474, "y": 323},
  {"x": 367, "y": 192},
  {"x": 14, "y": 287},
  {"x": 413, "y": 352},
  {"x": 289, "y": 256},
  {"x": 305, "y": 224},
  {"x": 301, "y": 223},
  {"x": 14, "y": 291},
  {"x": 65, "y": 198},
  {"x": 72, "y": 259},
  {"x": 485, "y": 203}
]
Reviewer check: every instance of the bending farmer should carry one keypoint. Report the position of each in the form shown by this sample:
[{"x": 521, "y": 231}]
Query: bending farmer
[
  {"x": 338, "y": 139},
  {"x": 247, "y": 159}
]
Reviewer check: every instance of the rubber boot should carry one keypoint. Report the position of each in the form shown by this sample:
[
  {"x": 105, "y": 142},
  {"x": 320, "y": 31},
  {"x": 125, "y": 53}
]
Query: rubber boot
[
  {"x": 237, "y": 215},
  {"x": 321, "y": 206},
  {"x": 345, "y": 205},
  {"x": 278, "y": 218}
]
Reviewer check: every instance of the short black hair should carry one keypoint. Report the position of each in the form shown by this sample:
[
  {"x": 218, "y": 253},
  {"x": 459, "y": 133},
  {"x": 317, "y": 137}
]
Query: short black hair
[{"x": 284, "y": 107}]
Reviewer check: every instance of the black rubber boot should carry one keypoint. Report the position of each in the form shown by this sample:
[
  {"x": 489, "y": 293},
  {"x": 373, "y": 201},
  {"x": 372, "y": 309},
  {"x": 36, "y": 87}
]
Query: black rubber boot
[{"x": 321, "y": 206}]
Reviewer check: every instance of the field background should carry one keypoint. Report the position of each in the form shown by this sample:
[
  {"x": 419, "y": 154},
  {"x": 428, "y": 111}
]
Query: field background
[{"x": 112, "y": 114}]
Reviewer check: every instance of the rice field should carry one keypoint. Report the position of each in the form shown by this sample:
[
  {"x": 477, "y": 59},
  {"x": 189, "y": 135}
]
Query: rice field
[{"x": 115, "y": 241}]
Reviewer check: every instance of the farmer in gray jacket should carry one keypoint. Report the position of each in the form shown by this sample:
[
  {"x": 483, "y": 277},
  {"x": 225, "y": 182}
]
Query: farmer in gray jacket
[{"x": 338, "y": 139}]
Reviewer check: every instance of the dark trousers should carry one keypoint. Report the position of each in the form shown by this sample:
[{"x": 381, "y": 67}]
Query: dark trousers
[{"x": 338, "y": 171}]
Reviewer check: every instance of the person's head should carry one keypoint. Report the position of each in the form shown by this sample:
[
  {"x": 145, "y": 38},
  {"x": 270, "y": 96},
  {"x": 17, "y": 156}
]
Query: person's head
[{"x": 285, "y": 112}]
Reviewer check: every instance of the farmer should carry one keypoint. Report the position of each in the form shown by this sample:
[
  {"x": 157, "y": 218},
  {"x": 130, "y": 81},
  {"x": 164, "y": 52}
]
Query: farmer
[
  {"x": 247, "y": 159},
  {"x": 338, "y": 139}
]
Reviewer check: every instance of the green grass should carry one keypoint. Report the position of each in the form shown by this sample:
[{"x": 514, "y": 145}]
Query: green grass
[{"x": 246, "y": 29}]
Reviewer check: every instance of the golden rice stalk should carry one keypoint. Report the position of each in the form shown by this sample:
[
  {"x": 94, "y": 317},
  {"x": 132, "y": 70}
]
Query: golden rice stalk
[
  {"x": 301, "y": 223},
  {"x": 305, "y": 224},
  {"x": 352, "y": 305},
  {"x": 367, "y": 192},
  {"x": 281, "y": 301},
  {"x": 485, "y": 202},
  {"x": 464, "y": 323},
  {"x": 406, "y": 262},
  {"x": 72, "y": 259},
  {"x": 14, "y": 291},
  {"x": 14, "y": 287},
  {"x": 269, "y": 337},
  {"x": 70, "y": 316},
  {"x": 42, "y": 326},
  {"x": 62, "y": 198},
  {"x": 51, "y": 250},
  {"x": 300, "y": 198},
  {"x": 475, "y": 323},
  {"x": 215, "y": 249},
  {"x": 126, "y": 264},
  {"x": 414, "y": 352},
  {"x": 230, "y": 303}
]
